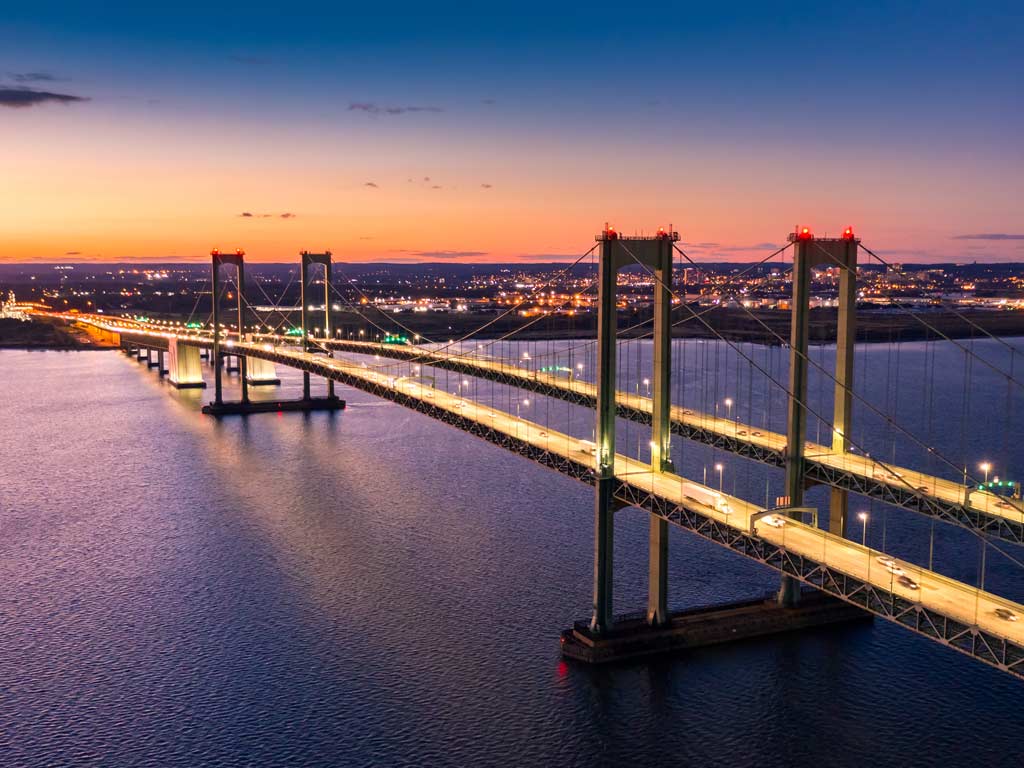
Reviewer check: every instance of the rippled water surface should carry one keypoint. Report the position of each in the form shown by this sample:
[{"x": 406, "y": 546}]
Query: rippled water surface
[{"x": 375, "y": 588}]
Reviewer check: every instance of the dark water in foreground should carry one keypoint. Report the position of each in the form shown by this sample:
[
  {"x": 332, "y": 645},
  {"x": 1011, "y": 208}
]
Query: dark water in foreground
[{"x": 375, "y": 588}]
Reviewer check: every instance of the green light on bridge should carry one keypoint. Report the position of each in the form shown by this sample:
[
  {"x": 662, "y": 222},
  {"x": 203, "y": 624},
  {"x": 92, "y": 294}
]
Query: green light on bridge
[
  {"x": 293, "y": 332},
  {"x": 395, "y": 338}
]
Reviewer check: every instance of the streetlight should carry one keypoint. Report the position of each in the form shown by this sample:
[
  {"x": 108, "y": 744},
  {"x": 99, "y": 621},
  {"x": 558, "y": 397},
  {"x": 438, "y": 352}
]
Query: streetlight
[
  {"x": 728, "y": 407},
  {"x": 863, "y": 517},
  {"x": 720, "y": 469},
  {"x": 526, "y": 404},
  {"x": 647, "y": 383},
  {"x": 985, "y": 467}
]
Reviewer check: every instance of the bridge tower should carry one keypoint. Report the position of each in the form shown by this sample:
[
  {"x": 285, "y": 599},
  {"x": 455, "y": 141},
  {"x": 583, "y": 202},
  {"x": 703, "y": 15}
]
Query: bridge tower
[
  {"x": 656, "y": 254},
  {"x": 238, "y": 260},
  {"x": 810, "y": 252},
  {"x": 309, "y": 259}
]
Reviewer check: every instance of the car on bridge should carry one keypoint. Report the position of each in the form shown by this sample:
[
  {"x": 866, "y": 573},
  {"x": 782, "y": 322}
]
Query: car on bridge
[
  {"x": 890, "y": 564},
  {"x": 909, "y": 583}
]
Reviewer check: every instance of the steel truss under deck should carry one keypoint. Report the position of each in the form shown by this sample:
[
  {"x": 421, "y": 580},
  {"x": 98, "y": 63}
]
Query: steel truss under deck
[
  {"x": 897, "y": 494},
  {"x": 995, "y": 651}
]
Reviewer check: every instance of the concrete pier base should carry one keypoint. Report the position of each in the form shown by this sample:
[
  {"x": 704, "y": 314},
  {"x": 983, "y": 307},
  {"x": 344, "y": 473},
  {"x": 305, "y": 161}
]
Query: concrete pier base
[
  {"x": 274, "y": 406},
  {"x": 183, "y": 366},
  {"x": 260, "y": 372},
  {"x": 632, "y": 637}
]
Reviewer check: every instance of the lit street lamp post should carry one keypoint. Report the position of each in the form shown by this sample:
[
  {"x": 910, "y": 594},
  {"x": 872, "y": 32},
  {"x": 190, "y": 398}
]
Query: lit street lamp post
[
  {"x": 863, "y": 517},
  {"x": 720, "y": 469}
]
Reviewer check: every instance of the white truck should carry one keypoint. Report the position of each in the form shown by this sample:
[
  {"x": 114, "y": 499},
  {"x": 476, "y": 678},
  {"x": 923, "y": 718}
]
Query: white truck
[{"x": 707, "y": 497}]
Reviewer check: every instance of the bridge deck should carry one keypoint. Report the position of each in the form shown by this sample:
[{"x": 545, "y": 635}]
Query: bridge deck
[
  {"x": 955, "y": 614},
  {"x": 901, "y": 486}
]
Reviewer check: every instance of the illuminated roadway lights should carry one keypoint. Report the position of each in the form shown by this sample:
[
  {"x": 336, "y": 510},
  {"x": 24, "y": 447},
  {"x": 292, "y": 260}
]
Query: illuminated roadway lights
[{"x": 863, "y": 517}]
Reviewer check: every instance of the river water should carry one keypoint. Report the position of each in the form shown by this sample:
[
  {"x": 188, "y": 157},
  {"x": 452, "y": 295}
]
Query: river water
[{"x": 375, "y": 588}]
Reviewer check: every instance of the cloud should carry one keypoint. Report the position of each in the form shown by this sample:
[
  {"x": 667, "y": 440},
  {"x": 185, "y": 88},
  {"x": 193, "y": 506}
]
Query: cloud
[
  {"x": 371, "y": 184},
  {"x": 488, "y": 102},
  {"x": 487, "y": 186},
  {"x": 441, "y": 254},
  {"x": 371, "y": 108},
  {"x": 988, "y": 236},
  {"x": 33, "y": 77},
  {"x": 250, "y": 215},
  {"x": 426, "y": 178},
  {"x": 72, "y": 253},
  {"x": 29, "y": 97},
  {"x": 437, "y": 186}
]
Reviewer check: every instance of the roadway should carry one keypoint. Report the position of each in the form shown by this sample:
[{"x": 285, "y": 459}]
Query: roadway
[
  {"x": 936, "y": 593},
  {"x": 945, "y": 499},
  {"x": 901, "y": 486}
]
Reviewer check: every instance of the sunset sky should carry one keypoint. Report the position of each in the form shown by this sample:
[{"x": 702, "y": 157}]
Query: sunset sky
[{"x": 394, "y": 132}]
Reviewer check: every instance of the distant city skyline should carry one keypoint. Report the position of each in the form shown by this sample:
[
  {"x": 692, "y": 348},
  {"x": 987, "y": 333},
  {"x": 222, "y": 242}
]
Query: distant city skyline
[{"x": 431, "y": 133}]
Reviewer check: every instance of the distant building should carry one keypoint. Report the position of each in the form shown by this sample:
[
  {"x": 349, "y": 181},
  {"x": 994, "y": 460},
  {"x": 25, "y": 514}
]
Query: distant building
[{"x": 11, "y": 310}]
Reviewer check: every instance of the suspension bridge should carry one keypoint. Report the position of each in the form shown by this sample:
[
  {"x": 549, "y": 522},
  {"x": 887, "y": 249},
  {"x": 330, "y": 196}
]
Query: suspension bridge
[{"x": 816, "y": 555}]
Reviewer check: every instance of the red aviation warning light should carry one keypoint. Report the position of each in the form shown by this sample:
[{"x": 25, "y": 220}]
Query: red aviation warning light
[
  {"x": 848, "y": 233},
  {"x": 609, "y": 232},
  {"x": 215, "y": 252},
  {"x": 239, "y": 252},
  {"x": 804, "y": 233}
]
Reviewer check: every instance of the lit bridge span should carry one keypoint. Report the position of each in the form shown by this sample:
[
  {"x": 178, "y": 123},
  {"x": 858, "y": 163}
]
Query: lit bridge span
[{"x": 961, "y": 616}]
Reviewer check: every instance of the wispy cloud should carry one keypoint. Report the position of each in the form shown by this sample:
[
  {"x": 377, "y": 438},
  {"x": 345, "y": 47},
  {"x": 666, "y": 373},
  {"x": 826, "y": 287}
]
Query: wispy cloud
[
  {"x": 440, "y": 254},
  {"x": 30, "y": 97},
  {"x": 287, "y": 215},
  {"x": 33, "y": 77},
  {"x": 245, "y": 215},
  {"x": 988, "y": 236},
  {"x": 72, "y": 253},
  {"x": 251, "y": 215},
  {"x": 487, "y": 186},
  {"x": 371, "y": 108},
  {"x": 371, "y": 184}
]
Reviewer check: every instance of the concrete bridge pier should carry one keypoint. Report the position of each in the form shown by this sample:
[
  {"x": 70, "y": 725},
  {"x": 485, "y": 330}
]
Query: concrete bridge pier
[
  {"x": 260, "y": 372},
  {"x": 160, "y": 363},
  {"x": 156, "y": 362},
  {"x": 184, "y": 368}
]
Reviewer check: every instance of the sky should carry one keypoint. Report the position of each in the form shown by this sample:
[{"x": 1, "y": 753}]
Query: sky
[{"x": 503, "y": 132}]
